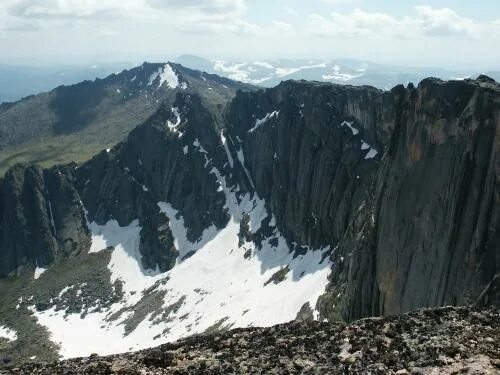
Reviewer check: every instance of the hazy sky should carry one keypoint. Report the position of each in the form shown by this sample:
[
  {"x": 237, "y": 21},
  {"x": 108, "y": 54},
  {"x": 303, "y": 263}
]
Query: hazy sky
[{"x": 448, "y": 33}]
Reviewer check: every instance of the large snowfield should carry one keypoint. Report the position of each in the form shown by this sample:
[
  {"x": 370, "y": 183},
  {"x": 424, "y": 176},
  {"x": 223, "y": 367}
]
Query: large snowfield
[{"x": 222, "y": 285}]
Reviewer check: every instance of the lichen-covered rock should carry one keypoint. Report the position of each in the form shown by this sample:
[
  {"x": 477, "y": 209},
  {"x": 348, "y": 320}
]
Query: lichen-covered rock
[{"x": 444, "y": 341}]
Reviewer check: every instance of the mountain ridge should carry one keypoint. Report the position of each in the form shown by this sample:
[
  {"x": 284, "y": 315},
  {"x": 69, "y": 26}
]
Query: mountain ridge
[
  {"x": 75, "y": 122},
  {"x": 294, "y": 192}
]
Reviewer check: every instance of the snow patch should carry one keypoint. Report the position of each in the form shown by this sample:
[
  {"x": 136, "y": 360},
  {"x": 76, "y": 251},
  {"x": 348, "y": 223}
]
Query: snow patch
[
  {"x": 215, "y": 282},
  {"x": 371, "y": 154},
  {"x": 238, "y": 72},
  {"x": 201, "y": 149},
  {"x": 263, "y": 120},
  {"x": 172, "y": 126},
  {"x": 168, "y": 75},
  {"x": 125, "y": 263},
  {"x": 282, "y": 72},
  {"x": 179, "y": 231},
  {"x": 336, "y": 75},
  {"x": 38, "y": 272},
  {"x": 241, "y": 159},
  {"x": 349, "y": 125},
  {"x": 153, "y": 77},
  {"x": 263, "y": 64},
  {"x": 7, "y": 333},
  {"x": 226, "y": 148}
]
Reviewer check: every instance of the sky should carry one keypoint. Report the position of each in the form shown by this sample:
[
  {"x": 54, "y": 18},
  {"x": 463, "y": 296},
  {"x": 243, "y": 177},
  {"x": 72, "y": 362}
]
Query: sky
[{"x": 455, "y": 34}]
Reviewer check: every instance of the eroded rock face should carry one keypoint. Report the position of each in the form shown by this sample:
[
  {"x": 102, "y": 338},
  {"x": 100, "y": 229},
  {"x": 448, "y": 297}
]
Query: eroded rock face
[
  {"x": 162, "y": 160},
  {"x": 444, "y": 341},
  {"x": 437, "y": 240},
  {"x": 415, "y": 228},
  {"x": 303, "y": 146},
  {"x": 41, "y": 218},
  {"x": 430, "y": 237},
  {"x": 402, "y": 184}
]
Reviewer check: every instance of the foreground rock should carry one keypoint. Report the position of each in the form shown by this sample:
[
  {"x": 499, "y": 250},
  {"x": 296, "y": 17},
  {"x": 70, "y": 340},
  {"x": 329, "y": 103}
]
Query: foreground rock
[{"x": 435, "y": 341}]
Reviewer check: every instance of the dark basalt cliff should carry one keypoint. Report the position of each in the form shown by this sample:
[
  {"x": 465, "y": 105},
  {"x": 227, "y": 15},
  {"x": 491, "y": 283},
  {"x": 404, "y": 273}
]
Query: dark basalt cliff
[
  {"x": 153, "y": 165},
  {"x": 430, "y": 236},
  {"x": 309, "y": 168},
  {"x": 403, "y": 185},
  {"x": 41, "y": 218}
]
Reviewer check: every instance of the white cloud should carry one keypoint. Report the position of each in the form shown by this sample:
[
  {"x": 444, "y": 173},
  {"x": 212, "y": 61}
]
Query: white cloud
[
  {"x": 102, "y": 30},
  {"x": 192, "y": 16},
  {"x": 444, "y": 22},
  {"x": 291, "y": 11},
  {"x": 356, "y": 24},
  {"x": 205, "y": 6},
  {"x": 14, "y": 24},
  {"x": 425, "y": 20},
  {"x": 216, "y": 24},
  {"x": 337, "y": 1},
  {"x": 282, "y": 28},
  {"x": 65, "y": 9}
]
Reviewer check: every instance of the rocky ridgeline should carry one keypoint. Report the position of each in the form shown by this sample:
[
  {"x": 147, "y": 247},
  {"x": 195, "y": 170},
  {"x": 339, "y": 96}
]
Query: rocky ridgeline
[
  {"x": 404, "y": 185},
  {"x": 435, "y": 341}
]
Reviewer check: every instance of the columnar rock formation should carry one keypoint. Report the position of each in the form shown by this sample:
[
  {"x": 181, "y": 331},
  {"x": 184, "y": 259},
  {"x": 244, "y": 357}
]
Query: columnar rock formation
[{"x": 403, "y": 185}]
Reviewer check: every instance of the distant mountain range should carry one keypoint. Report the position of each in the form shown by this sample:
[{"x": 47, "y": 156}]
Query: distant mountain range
[
  {"x": 17, "y": 82},
  {"x": 269, "y": 73}
]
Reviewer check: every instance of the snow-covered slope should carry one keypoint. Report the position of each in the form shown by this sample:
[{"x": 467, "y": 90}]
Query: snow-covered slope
[
  {"x": 279, "y": 207},
  {"x": 218, "y": 282}
]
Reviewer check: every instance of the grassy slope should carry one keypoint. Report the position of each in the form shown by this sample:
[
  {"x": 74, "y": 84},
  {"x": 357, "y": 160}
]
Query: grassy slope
[
  {"x": 95, "y": 115},
  {"x": 104, "y": 132}
]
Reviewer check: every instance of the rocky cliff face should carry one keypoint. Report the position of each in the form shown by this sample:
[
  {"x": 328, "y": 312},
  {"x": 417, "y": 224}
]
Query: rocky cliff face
[
  {"x": 430, "y": 237},
  {"x": 415, "y": 227},
  {"x": 126, "y": 183},
  {"x": 44, "y": 210},
  {"x": 402, "y": 186},
  {"x": 310, "y": 150},
  {"x": 41, "y": 218}
]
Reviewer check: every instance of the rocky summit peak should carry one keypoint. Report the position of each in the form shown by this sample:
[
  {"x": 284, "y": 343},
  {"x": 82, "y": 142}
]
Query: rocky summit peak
[{"x": 485, "y": 78}]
